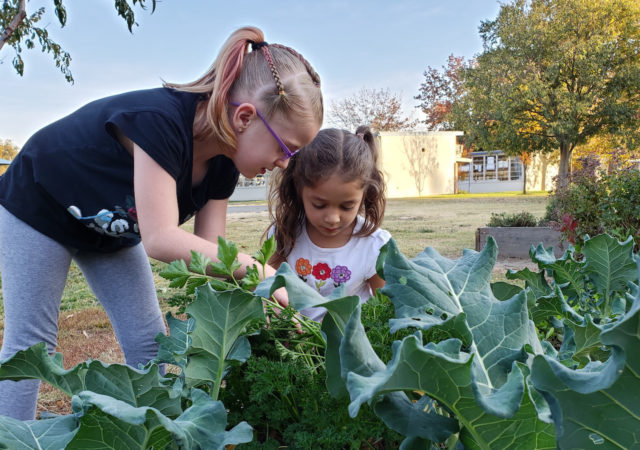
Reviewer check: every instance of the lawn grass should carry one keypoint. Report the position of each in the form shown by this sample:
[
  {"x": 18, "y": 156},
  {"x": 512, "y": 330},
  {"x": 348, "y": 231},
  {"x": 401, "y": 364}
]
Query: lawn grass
[{"x": 446, "y": 223}]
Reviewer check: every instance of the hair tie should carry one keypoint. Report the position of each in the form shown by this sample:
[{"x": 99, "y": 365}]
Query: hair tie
[{"x": 255, "y": 46}]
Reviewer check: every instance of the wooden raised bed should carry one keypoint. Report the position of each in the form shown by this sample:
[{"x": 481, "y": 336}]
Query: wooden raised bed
[{"x": 515, "y": 242}]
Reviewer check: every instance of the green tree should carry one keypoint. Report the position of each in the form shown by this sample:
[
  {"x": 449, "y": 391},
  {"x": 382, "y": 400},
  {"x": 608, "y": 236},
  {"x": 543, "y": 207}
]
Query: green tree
[
  {"x": 8, "y": 150},
  {"x": 552, "y": 74},
  {"x": 20, "y": 29}
]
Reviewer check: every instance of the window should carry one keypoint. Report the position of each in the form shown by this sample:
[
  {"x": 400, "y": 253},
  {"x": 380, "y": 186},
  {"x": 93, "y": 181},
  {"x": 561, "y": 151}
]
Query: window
[
  {"x": 478, "y": 168},
  {"x": 463, "y": 171},
  {"x": 516, "y": 168},
  {"x": 503, "y": 168},
  {"x": 490, "y": 173}
]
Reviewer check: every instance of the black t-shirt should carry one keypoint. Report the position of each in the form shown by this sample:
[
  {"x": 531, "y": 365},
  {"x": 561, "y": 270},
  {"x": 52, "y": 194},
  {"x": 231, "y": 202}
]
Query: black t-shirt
[{"x": 73, "y": 180}]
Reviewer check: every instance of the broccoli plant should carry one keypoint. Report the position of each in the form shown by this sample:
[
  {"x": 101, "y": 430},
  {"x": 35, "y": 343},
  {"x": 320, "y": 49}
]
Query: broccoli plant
[{"x": 491, "y": 381}]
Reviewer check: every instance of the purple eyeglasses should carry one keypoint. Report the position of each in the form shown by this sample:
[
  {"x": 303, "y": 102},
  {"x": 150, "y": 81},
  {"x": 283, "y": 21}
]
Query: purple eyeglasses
[{"x": 287, "y": 153}]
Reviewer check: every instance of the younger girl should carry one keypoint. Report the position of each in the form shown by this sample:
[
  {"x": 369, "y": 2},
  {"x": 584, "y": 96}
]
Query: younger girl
[
  {"x": 112, "y": 182},
  {"x": 326, "y": 208}
]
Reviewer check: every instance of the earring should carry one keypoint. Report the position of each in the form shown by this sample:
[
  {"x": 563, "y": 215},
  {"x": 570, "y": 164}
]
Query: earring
[{"x": 240, "y": 129}]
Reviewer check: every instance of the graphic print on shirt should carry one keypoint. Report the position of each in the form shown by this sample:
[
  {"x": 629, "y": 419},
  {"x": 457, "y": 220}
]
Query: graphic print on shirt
[
  {"x": 116, "y": 222},
  {"x": 322, "y": 272}
]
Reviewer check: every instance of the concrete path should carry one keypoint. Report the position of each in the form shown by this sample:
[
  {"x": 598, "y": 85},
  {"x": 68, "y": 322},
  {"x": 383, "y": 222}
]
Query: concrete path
[{"x": 246, "y": 208}]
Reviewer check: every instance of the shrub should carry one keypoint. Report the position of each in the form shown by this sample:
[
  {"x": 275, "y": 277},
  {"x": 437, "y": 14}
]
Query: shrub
[
  {"x": 521, "y": 219},
  {"x": 595, "y": 202}
]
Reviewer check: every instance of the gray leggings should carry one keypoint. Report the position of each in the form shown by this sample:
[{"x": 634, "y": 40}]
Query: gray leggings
[{"x": 34, "y": 272}]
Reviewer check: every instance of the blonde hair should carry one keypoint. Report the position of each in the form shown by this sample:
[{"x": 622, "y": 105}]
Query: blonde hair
[{"x": 286, "y": 84}]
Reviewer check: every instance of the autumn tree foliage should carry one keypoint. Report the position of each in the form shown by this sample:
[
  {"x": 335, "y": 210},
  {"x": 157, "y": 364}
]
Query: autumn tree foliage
[
  {"x": 440, "y": 90},
  {"x": 553, "y": 74},
  {"x": 8, "y": 151},
  {"x": 380, "y": 109},
  {"x": 21, "y": 29}
]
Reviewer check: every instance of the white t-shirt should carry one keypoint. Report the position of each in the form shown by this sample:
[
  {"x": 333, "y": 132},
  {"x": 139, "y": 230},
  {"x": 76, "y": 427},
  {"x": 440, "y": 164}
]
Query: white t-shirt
[{"x": 325, "y": 269}]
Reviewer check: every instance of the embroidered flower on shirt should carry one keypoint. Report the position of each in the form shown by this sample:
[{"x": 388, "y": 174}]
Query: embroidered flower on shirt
[
  {"x": 340, "y": 274},
  {"x": 321, "y": 271},
  {"x": 303, "y": 268}
]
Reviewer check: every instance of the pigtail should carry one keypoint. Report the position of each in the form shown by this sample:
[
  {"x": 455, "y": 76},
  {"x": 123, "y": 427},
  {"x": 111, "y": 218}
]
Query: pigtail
[
  {"x": 216, "y": 84},
  {"x": 375, "y": 197}
]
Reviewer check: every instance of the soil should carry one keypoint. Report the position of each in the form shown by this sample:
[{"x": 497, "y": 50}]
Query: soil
[
  {"x": 504, "y": 264},
  {"x": 84, "y": 334}
]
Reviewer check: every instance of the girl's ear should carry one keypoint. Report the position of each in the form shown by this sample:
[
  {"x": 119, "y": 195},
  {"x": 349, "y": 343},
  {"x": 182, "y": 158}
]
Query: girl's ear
[{"x": 242, "y": 116}]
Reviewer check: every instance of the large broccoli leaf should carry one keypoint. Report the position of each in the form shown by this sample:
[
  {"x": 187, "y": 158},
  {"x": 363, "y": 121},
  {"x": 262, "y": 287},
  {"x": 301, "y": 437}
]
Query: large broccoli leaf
[
  {"x": 220, "y": 320},
  {"x": 136, "y": 387},
  {"x": 433, "y": 291},
  {"x": 599, "y": 404}
]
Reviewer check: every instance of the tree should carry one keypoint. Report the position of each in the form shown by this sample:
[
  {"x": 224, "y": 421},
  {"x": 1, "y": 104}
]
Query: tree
[
  {"x": 552, "y": 74},
  {"x": 440, "y": 91},
  {"x": 17, "y": 28},
  {"x": 8, "y": 150},
  {"x": 379, "y": 109}
]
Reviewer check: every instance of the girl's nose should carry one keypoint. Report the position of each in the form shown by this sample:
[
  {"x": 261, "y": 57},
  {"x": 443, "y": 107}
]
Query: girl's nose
[{"x": 332, "y": 217}]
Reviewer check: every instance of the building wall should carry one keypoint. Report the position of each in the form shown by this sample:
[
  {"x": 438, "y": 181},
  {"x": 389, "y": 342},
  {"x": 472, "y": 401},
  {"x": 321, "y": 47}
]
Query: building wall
[
  {"x": 541, "y": 172},
  {"x": 418, "y": 164}
]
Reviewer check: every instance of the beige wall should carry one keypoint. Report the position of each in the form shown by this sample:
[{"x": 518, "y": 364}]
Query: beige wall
[
  {"x": 418, "y": 164},
  {"x": 541, "y": 172}
]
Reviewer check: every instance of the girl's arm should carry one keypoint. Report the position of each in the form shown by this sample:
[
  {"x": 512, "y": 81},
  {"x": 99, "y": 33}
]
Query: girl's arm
[
  {"x": 211, "y": 220},
  {"x": 375, "y": 282},
  {"x": 158, "y": 217}
]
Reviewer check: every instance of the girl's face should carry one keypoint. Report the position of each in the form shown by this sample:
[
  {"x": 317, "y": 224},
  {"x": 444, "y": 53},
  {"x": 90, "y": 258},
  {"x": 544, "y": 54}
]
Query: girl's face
[
  {"x": 258, "y": 150},
  {"x": 331, "y": 207}
]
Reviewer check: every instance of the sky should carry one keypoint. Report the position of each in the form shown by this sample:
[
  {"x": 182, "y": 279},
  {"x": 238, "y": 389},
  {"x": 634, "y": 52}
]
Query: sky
[{"x": 374, "y": 44}]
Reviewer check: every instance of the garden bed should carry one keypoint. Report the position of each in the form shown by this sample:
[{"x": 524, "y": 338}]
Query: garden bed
[{"x": 515, "y": 242}]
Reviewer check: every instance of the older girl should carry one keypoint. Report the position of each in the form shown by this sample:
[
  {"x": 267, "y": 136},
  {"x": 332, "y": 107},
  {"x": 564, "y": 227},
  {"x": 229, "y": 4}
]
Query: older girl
[{"x": 120, "y": 175}]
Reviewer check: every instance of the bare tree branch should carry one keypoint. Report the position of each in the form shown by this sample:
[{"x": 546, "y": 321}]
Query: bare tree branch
[
  {"x": 380, "y": 109},
  {"x": 15, "y": 22}
]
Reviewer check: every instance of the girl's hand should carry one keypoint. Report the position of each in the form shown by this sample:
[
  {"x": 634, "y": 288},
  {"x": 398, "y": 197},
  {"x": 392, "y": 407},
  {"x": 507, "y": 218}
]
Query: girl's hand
[{"x": 281, "y": 296}]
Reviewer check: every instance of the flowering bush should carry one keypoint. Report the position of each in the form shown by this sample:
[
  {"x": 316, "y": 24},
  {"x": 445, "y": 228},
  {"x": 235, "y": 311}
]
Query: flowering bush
[{"x": 595, "y": 202}]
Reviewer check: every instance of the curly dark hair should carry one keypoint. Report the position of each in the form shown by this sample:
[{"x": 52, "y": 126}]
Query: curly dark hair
[{"x": 352, "y": 156}]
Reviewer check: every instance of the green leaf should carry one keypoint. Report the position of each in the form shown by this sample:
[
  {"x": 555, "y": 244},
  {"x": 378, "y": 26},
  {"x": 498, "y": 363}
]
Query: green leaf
[
  {"x": 533, "y": 280},
  {"x": 443, "y": 373},
  {"x": 598, "y": 403},
  {"x": 610, "y": 264},
  {"x": 266, "y": 252},
  {"x": 565, "y": 270},
  {"x": 176, "y": 272},
  {"x": 227, "y": 254},
  {"x": 553, "y": 305},
  {"x": 251, "y": 279},
  {"x": 431, "y": 289},
  {"x": 173, "y": 348},
  {"x": 504, "y": 291},
  {"x": 199, "y": 263},
  {"x": 588, "y": 346},
  {"x": 221, "y": 317},
  {"x": 121, "y": 426},
  {"x": 51, "y": 433},
  {"x": 359, "y": 359},
  {"x": 137, "y": 387}
]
